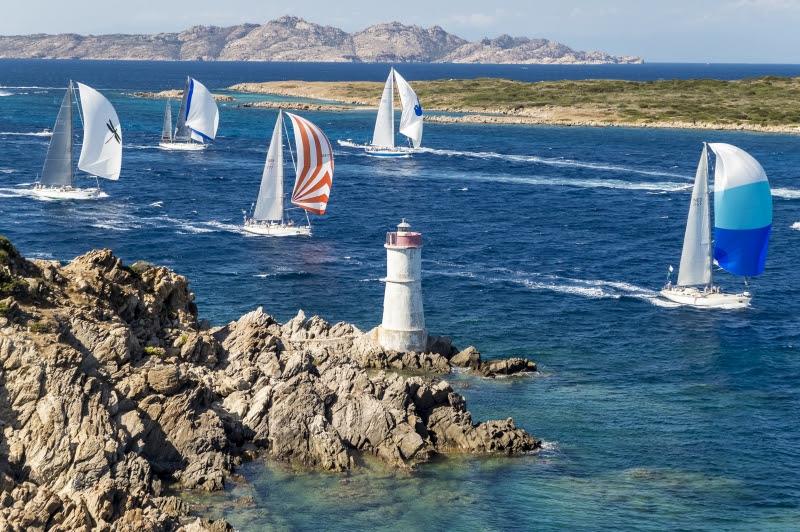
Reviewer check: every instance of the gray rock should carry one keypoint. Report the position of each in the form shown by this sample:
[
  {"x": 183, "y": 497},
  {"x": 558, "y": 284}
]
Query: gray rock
[{"x": 294, "y": 39}]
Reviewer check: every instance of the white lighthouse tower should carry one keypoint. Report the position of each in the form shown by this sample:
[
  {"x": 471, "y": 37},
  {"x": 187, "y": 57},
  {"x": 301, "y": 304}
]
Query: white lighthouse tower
[{"x": 403, "y": 327}]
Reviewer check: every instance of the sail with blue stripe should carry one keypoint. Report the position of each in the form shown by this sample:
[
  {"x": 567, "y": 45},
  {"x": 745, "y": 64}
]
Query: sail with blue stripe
[{"x": 742, "y": 211}]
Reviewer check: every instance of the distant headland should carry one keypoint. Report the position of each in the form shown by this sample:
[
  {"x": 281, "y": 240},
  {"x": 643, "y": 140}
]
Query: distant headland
[{"x": 294, "y": 39}]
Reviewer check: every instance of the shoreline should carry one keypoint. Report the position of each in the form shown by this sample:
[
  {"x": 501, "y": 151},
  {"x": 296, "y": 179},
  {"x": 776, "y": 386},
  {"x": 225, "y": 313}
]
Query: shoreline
[{"x": 505, "y": 102}]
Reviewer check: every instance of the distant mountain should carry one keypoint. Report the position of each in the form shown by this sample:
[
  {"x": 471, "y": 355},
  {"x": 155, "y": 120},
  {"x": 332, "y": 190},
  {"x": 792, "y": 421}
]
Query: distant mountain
[{"x": 294, "y": 39}]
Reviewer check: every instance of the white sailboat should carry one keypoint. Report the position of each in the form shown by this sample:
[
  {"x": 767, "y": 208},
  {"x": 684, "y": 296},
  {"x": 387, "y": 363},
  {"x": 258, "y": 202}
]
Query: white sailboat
[
  {"x": 742, "y": 225},
  {"x": 383, "y": 142},
  {"x": 313, "y": 165},
  {"x": 198, "y": 120},
  {"x": 101, "y": 149}
]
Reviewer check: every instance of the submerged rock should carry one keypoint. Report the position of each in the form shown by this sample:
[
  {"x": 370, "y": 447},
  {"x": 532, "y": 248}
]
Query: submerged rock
[{"x": 111, "y": 390}]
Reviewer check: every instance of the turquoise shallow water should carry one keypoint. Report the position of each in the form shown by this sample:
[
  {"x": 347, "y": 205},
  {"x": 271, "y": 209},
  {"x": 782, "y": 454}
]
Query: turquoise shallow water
[{"x": 544, "y": 242}]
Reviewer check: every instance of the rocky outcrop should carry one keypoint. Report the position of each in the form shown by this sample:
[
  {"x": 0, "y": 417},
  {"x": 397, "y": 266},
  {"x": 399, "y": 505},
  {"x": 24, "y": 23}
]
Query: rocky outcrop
[
  {"x": 294, "y": 39},
  {"x": 521, "y": 50},
  {"x": 111, "y": 390}
]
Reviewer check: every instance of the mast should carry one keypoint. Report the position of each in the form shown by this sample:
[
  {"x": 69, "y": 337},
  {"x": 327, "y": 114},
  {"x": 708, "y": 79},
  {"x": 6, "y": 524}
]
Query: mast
[
  {"x": 57, "y": 170},
  {"x": 709, "y": 192}
]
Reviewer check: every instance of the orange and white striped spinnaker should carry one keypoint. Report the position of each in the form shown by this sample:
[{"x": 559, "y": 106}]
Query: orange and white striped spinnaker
[{"x": 312, "y": 188}]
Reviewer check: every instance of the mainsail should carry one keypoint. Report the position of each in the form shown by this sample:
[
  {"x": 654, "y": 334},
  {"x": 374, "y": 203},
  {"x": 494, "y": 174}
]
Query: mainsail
[
  {"x": 269, "y": 205},
  {"x": 314, "y": 168},
  {"x": 695, "y": 268},
  {"x": 202, "y": 114},
  {"x": 384, "y": 123},
  {"x": 742, "y": 211},
  {"x": 101, "y": 151},
  {"x": 166, "y": 131},
  {"x": 182, "y": 133},
  {"x": 411, "y": 119},
  {"x": 57, "y": 171}
]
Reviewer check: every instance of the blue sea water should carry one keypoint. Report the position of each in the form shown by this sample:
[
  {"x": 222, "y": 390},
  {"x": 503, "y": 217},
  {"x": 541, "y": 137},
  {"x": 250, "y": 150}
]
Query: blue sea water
[{"x": 546, "y": 242}]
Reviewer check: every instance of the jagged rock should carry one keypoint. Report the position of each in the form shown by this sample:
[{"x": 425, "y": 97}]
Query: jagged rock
[
  {"x": 124, "y": 392},
  {"x": 468, "y": 358},
  {"x": 511, "y": 366},
  {"x": 294, "y": 39}
]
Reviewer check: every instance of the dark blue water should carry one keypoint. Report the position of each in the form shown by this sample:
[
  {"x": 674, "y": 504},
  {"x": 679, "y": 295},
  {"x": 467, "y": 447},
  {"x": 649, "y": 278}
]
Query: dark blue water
[
  {"x": 540, "y": 241},
  {"x": 158, "y": 75}
]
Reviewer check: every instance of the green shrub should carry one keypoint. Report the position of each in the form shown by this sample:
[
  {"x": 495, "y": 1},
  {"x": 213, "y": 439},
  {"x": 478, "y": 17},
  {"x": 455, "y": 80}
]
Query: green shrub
[{"x": 152, "y": 351}]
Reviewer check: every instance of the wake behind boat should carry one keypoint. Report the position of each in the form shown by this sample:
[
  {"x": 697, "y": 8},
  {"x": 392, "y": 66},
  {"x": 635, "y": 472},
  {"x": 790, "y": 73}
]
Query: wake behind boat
[
  {"x": 383, "y": 143},
  {"x": 742, "y": 225},
  {"x": 198, "y": 120},
  {"x": 313, "y": 168},
  {"x": 101, "y": 149}
]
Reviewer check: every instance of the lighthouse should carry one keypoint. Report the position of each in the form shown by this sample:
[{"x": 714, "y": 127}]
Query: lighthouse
[{"x": 403, "y": 326}]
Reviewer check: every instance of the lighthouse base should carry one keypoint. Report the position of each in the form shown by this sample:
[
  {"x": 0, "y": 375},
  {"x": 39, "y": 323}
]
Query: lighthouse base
[{"x": 403, "y": 341}]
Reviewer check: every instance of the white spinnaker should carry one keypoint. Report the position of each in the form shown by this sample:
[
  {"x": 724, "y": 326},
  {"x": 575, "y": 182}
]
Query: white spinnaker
[
  {"x": 384, "y": 123},
  {"x": 411, "y": 119},
  {"x": 203, "y": 115},
  {"x": 101, "y": 152},
  {"x": 695, "y": 268},
  {"x": 269, "y": 205}
]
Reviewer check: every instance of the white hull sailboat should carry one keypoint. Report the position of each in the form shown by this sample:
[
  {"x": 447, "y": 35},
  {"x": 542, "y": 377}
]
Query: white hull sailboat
[
  {"x": 742, "y": 224},
  {"x": 383, "y": 142},
  {"x": 313, "y": 166},
  {"x": 198, "y": 120},
  {"x": 101, "y": 149}
]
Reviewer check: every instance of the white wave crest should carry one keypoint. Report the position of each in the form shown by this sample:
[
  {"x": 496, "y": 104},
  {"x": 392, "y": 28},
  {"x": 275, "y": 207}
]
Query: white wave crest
[
  {"x": 786, "y": 193},
  {"x": 43, "y": 133},
  {"x": 796, "y": 226},
  {"x": 6, "y": 93},
  {"x": 550, "y": 161},
  {"x": 586, "y": 288}
]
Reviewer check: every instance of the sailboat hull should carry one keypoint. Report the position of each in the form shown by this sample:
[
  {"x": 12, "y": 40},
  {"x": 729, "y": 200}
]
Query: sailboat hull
[
  {"x": 396, "y": 153},
  {"x": 276, "y": 229},
  {"x": 706, "y": 299},
  {"x": 182, "y": 146},
  {"x": 67, "y": 193}
]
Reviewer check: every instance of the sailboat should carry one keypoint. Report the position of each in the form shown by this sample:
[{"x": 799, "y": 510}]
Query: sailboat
[
  {"x": 313, "y": 165},
  {"x": 101, "y": 149},
  {"x": 383, "y": 144},
  {"x": 198, "y": 120},
  {"x": 742, "y": 225}
]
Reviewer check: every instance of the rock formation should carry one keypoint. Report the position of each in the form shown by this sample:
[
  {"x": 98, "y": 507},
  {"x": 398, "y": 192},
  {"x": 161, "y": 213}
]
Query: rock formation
[
  {"x": 294, "y": 39},
  {"x": 111, "y": 390}
]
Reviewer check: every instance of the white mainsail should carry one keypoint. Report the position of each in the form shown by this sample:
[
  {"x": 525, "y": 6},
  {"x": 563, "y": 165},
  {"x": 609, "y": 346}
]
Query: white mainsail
[
  {"x": 269, "y": 205},
  {"x": 384, "y": 123},
  {"x": 411, "y": 119},
  {"x": 182, "y": 132},
  {"x": 695, "y": 268},
  {"x": 202, "y": 114},
  {"x": 166, "y": 130},
  {"x": 101, "y": 152},
  {"x": 57, "y": 170}
]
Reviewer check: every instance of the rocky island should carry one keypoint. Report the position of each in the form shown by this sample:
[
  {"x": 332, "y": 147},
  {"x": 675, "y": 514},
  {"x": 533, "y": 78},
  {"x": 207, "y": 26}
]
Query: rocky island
[
  {"x": 768, "y": 104},
  {"x": 294, "y": 39},
  {"x": 114, "y": 397}
]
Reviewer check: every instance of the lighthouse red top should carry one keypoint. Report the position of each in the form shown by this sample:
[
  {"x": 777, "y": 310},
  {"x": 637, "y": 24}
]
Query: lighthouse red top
[{"x": 404, "y": 237}]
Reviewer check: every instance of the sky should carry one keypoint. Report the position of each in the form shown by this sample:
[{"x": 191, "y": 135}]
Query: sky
[{"x": 730, "y": 31}]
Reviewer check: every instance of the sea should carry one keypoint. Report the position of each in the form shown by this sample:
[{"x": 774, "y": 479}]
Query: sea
[{"x": 544, "y": 242}]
